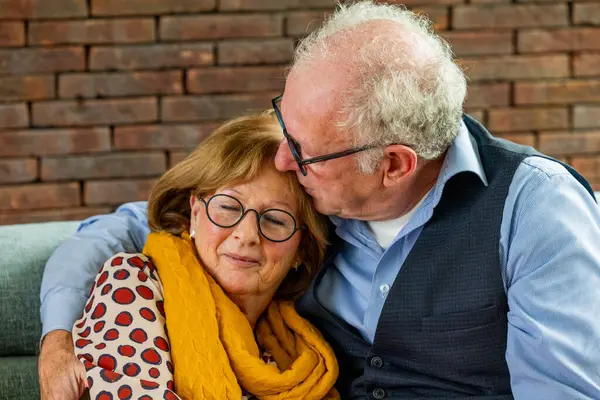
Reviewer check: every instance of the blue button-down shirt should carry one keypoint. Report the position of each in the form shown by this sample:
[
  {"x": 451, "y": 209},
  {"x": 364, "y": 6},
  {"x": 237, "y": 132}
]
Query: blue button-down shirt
[{"x": 549, "y": 257}]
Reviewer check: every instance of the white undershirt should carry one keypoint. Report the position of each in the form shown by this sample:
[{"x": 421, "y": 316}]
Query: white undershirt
[{"x": 386, "y": 231}]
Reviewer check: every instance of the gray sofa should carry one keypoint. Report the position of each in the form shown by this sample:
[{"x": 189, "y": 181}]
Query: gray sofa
[{"x": 24, "y": 250}]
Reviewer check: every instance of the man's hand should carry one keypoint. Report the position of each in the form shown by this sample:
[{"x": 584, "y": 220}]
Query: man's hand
[{"x": 62, "y": 375}]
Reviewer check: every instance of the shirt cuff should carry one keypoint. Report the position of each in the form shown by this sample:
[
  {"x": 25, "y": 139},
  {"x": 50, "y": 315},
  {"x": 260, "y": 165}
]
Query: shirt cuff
[{"x": 60, "y": 309}]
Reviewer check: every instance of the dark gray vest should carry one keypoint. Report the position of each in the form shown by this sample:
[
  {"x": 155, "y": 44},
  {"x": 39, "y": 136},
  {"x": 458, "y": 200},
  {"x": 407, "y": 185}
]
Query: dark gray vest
[{"x": 443, "y": 328}]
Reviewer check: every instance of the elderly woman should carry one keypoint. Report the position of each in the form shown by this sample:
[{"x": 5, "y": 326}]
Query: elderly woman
[{"x": 234, "y": 242}]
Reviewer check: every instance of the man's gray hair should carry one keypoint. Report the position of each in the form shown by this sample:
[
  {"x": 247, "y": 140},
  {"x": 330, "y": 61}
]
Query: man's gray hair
[{"x": 407, "y": 89}]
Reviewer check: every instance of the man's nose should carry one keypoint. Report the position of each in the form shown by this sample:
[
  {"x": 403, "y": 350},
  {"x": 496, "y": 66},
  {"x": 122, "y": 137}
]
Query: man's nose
[
  {"x": 284, "y": 161},
  {"x": 247, "y": 229}
]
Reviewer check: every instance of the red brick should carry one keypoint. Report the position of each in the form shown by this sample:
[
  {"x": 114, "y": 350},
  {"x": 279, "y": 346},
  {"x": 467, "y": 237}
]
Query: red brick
[
  {"x": 175, "y": 157},
  {"x": 151, "y": 57},
  {"x": 235, "y": 79},
  {"x": 516, "y": 67},
  {"x": 94, "y": 112},
  {"x": 261, "y": 5},
  {"x": 117, "y": 192},
  {"x": 488, "y": 95},
  {"x": 199, "y": 27},
  {"x": 492, "y": 1},
  {"x": 562, "y": 143},
  {"x": 39, "y": 196},
  {"x": 572, "y": 39},
  {"x": 115, "y": 165},
  {"x": 588, "y": 166},
  {"x": 33, "y": 9},
  {"x": 586, "y": 64},
  {"x": 586, "y": 116},
  {"x": 311, "y": 3},
  {"x": 586, "y": 13},
  {"x": 253, "y": 5},
  {"x": 203, "y": 108},
  {"x": 420, "y": 2},
  {"x": 438, "y": 15},
  {"x": 61, "y": 214},
  {"x": 17, "y": 170},
  {"x": 33, "y": 60},
  {"x": 480, "y": 43},
  {"x": 149, "y": 7},
  {"x": 120, "y": 84},
  {"x": 37, "y": 87},
  {"x": 92, "y": 31},
  {"x": 557, "y": 92},
  {"x": 515, "y": 120},
  {"x": 161, "y": 136},
  {"x": 13, "y": 116},
  {"x": 269, "y": 51},
  {"x": 524, "y": 138},
  {"x": 12, "y": 34},
  {"x": 299, "y": 23},
  {"x": 54, "y": 141},
  {"x": 509, "y": 16}
]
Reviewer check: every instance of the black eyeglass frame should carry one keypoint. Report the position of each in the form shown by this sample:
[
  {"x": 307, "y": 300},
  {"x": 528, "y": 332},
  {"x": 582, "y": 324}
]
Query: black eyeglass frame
[
  {"x": 258, "y": 214},
  {"x": 296, "y": 150}
]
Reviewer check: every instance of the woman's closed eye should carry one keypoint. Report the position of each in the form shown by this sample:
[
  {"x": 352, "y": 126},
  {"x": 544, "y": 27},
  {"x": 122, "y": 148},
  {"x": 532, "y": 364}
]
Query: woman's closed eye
[{"x": 272, "y": 220}]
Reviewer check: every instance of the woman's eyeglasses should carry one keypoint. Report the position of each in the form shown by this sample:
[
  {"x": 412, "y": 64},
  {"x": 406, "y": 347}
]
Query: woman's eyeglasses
[{"x": 226, "y": 211}]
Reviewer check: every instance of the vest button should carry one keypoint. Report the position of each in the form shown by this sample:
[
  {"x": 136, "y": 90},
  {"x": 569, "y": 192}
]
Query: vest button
[
  {"x": 376, "y": 362},
  {"x": 379, "y": 393}
]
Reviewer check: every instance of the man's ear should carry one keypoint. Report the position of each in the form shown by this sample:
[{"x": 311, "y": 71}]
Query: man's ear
[{"x": 398, "y": 163}]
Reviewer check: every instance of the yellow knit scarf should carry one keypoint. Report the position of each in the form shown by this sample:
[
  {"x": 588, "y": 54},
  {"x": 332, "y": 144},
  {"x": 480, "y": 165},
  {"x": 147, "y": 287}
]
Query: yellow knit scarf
[{"x": 213, "y": 347}]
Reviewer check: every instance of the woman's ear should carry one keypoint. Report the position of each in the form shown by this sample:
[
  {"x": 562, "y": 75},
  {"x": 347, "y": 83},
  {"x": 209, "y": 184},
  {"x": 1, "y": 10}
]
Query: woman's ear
[{"x": 195, "y": 206}]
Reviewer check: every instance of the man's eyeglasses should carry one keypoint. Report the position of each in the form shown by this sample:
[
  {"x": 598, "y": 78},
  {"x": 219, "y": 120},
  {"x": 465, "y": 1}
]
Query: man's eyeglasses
[
  {"x": 297, "y": 151},
  {"x": 226, "y": 211}
]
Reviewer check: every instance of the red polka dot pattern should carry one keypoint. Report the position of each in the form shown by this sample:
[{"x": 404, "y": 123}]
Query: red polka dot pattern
[
  {"x": 111, "y": 334},
  {"x": 122, "y": 333},
  {"x": 99, "y": 311},
  {"x": 161, "y": 344},
  {"x": 121, "y": 274},
  {"x": 107, "y": 361},
  {"x": 124, "y": 319},
  {"x": 126, "y": 350},
  {"x": 123, "y": 296},
  {"x": 116, "y": 261},
  {"x": 98, "y": 326},
  {"x": 148, "y": 314},
  {"x": 125, "y": 392},
  {"x": 138, "y": 335},
  {"x": 106, "y": 289},
  {"x": 151, "y": 356},
  {"x": 102, "y": 278}
]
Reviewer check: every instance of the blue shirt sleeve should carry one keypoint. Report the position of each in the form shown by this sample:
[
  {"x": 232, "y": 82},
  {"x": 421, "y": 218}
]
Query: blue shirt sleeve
[
  {"x": 550, "y": 248},
  {"x": 72, "y": 268}
]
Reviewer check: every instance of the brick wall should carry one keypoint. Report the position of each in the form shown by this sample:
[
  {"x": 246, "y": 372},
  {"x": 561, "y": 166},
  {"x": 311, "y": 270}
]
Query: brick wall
[{"x": 99, "y": 97}]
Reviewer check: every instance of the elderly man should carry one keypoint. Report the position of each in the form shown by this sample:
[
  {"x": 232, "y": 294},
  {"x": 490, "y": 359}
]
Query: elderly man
[{"x": 461, "y": 266}]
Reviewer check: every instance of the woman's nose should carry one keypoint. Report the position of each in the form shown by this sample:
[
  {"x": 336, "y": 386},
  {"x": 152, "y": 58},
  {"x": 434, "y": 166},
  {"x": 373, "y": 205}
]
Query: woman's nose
[
  {"x": 284, "y": 161},
  {"x": 247, "y": 229}
]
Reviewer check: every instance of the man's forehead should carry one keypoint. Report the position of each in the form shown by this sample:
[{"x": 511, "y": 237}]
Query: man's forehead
[{"x": 310, "y": 106}]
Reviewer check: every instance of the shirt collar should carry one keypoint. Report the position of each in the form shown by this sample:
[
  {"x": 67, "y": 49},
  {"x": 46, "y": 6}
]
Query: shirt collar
[{"x": 462, "y": 156}]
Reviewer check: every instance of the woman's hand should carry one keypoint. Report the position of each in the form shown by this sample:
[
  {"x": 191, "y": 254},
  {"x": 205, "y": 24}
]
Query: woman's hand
[{"x": 62, "y": 375}]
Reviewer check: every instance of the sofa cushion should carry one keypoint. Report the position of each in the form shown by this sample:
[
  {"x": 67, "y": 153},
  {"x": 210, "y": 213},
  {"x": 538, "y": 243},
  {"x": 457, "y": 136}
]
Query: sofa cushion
[
  {"x": 19, "y": 378},
  {"x": 24, "y": 250}
]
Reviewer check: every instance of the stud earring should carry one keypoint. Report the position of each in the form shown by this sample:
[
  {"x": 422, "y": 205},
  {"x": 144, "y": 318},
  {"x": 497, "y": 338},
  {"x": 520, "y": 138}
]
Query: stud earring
[{"x": 193, "y": 233}]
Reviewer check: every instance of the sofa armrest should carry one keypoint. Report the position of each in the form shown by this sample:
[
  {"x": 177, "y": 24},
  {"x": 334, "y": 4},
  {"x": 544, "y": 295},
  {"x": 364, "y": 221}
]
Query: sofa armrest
[{"x": 24, "y": 250}]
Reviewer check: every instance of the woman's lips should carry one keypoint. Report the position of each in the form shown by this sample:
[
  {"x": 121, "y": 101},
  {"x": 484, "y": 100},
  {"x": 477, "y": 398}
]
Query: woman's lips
[{"x": 241, "y": 260}]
